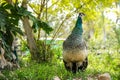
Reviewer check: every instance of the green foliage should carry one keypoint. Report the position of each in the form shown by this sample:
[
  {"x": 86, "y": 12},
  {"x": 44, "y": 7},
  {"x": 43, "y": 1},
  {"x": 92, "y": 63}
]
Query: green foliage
[
  {"x": 46, "y": 52},
  {"x": 23, "y": 11},
  {"x": 37, "y": 23},
  {"x": 10, "y": 16},
  {"x": 8, "y": 26},
  {"x": 9, "y": 20}
]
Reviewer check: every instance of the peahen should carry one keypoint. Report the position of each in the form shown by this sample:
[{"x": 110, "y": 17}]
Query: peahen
[{"x": 75, "y": 49}]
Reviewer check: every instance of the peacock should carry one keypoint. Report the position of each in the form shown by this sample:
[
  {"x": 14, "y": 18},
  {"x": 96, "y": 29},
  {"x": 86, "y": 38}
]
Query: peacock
[{"x": 75, "y": 49}]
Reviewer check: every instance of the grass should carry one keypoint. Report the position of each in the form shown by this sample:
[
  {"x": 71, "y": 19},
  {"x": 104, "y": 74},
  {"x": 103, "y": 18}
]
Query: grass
[{"x": 98, "y": 64}]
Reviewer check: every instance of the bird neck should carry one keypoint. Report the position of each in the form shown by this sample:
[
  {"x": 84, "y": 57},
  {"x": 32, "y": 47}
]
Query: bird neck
[{"x": 78, "y": 27}]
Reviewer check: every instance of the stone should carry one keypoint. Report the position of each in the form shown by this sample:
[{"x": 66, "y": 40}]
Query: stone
[
  {"x": 105, "y": 76},
  {"x": 56, "y": 78}
]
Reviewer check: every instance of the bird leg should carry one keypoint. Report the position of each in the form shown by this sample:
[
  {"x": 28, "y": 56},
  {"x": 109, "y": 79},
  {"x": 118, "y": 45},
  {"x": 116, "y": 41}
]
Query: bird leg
[
  {"x": 84, "y": 65},
  {"x": 68, "y": 65},
  {"x": 78, "y": 64}
]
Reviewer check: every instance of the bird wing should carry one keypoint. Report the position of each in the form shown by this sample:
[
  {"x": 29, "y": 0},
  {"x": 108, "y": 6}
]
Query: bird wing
[{"x": 74, "y": 42}]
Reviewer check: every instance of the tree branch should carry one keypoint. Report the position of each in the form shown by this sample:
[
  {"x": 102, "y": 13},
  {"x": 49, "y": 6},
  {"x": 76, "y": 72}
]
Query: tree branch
[
  {"x": 33, "y": 9},
  {"x": 54, "y": 3}
]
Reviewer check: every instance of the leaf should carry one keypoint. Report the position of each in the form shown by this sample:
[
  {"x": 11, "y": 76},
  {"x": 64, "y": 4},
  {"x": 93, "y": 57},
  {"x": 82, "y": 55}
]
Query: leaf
[
  {"x": 46, "y": 27},
  {"x": 16, "y": 29},
  {"x": 40, "y": 24},
  {"x": 35, "y": 27},
  {"x": 23, "y": 11},
  {"x": 7, "y": 6},
  {"x": 2, "y": 20},
  {"x": 33, "y": 18}
]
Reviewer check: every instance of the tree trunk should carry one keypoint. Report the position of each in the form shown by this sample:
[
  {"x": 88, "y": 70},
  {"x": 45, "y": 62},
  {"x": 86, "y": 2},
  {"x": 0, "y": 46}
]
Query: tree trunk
[{"x": 30, "y": 38}]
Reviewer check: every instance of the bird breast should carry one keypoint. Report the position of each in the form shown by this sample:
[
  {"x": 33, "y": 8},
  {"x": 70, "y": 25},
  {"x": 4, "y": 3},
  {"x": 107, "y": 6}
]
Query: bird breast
[{"x": 75, "y": 55}]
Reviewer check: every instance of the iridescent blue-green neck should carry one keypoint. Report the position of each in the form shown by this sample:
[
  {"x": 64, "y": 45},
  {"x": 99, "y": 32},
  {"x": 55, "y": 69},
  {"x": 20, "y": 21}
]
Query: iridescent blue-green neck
[{"x": 78, "y": 27}]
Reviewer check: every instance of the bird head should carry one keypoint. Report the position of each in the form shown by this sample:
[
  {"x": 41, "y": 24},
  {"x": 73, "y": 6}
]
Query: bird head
[
  {"x": 79, "y": 22},
  {"x": 81, "y": 14}
]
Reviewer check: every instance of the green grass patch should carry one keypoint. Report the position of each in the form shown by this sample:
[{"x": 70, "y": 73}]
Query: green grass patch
[{"x": 98, "y": 64}]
